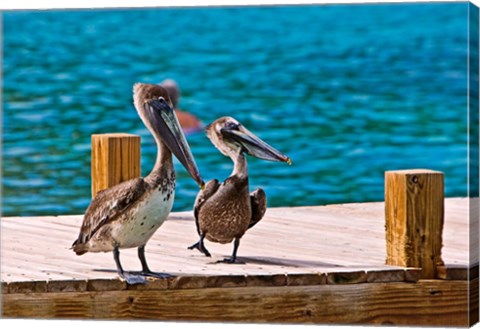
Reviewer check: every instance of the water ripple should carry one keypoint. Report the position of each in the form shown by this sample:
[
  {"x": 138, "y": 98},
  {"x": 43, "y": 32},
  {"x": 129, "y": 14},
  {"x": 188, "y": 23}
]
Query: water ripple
[{"x": 346, "y": 91}]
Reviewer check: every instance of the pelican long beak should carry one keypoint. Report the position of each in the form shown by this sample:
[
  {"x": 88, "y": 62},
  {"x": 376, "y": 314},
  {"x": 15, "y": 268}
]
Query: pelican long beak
[
  {"x": 165, "y": 122},
  {"x": 253, "y": 145}
]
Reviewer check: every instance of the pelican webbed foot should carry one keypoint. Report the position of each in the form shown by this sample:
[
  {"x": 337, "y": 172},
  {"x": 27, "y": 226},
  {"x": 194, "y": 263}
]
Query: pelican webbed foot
[
  {"x": 132, "y": 277},
  {"x": 129, "y": 277},
  {"x": 158, "y": 275},
  {"x": 233, "y": 259},
  {"x": 137, "y": 277},
  {"x": 200, "y": 246},
  {"x": 140, "y": 277}
]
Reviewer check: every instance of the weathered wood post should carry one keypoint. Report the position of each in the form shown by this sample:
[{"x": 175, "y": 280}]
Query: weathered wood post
[
  {"x": 414, "y": 213},
  {"x": 115, "y": 158}
]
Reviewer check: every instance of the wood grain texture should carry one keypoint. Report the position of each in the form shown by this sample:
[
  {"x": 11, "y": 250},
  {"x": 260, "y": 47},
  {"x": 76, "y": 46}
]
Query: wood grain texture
[
  {"x": 414, "y": 215},
  {"x": 427, "y": 302},
  {"x": 303, "y": 265},
  {"x": 457, "y": 272},
  {"x": 303, "y": 241},
  {"x": 473, "y": 309},
  {"x": 115, "y": 158}
]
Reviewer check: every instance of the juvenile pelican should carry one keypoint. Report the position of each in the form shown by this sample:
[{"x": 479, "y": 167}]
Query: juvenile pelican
[
  {"x": 224, "y": 212},
  {"x": 127, "y": 215}
]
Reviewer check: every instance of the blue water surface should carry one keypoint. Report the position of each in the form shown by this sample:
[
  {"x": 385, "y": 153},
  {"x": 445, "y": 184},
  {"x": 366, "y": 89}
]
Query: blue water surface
[{"x": 347, "y": 91}]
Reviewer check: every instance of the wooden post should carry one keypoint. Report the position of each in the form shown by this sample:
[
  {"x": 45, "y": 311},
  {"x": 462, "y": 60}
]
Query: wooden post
[
  {"x": 414, "y": 213},
  {"x": 115, "y": 158}
]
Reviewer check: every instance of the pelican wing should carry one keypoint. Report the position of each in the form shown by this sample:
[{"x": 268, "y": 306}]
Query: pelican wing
[
  {"x": 107, "y": 205},
  {"x": 210, "y": 188},
  {"x": 258, "y": 201}
]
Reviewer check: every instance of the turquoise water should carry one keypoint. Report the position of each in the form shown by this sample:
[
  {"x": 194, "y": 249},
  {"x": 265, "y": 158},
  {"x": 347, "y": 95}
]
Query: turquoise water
[{"x": 347, "y": 91}]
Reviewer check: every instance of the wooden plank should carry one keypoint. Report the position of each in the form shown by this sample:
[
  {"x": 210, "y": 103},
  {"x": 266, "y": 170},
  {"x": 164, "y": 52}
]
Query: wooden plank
[
  {"x": 347, "y": 277},
  {"x": 306, "y": 279},
  {"x": 427, "y": 302},
  {"x": 414, "y": 215},
  {"x": 43, "y": 271},
  {"x": 458, "y": 272},
  {"x": 115, "y": 158},
  {"x": 199, "y": 281},
  {"x": 12, "y": 273},
  {"x": 385, "y": 276},
  {"x": 311, "y": 242},
  {"x": 473, "y": 314},
  {"x": 266, "y": 280},
  {"x": 106, "y": 285},
  {"x": 66, "y": 285},
  {"x": 218, "y": 281},
  {"x": 27, "y": 287},
  {"x": 413, "y": 274}
]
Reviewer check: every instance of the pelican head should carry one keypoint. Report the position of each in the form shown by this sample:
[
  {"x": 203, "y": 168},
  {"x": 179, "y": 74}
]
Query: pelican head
[
  {"x": 230, "y": 137},
  {"x": 155, "y": 108}
]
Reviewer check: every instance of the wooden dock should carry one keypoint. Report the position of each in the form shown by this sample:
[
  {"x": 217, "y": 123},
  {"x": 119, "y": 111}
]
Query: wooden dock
[{"x": 322, "y": 264}]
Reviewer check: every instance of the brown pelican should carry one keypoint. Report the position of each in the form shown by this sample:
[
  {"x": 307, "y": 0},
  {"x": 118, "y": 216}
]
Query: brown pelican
[
  {"x": 128, "y": 214},
  {"x": 224, "y": 212}
]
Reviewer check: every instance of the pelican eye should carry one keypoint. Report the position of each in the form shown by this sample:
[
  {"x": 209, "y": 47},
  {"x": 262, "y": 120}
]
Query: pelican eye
[
  {"x": 161, "y": 99},
  {"x": 232, "y": 125}
]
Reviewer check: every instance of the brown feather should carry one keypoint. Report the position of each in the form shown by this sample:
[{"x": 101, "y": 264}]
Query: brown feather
[
  {"x": 210, "y": 188},
  {"x": 106, "y": 207},
  {"x": 226, "y": 214},
  {"x": 258, "y": 199}
]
